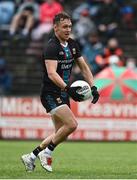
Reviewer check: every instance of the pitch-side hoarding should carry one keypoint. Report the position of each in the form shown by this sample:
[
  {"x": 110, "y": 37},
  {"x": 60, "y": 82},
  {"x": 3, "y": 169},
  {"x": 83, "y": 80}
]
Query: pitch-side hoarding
[{"x": 25, "y": 118}]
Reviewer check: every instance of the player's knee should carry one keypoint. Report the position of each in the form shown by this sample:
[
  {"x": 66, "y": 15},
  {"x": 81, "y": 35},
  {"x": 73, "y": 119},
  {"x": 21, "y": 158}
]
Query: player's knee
[{"x": 73, "y": 126}]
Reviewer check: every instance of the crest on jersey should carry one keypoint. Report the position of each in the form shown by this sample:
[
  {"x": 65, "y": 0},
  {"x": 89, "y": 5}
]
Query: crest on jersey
[
  {"x": 61, "y": 53},
  {"x": 74, "y": 50},
  {"x": 59, "y": 100}
]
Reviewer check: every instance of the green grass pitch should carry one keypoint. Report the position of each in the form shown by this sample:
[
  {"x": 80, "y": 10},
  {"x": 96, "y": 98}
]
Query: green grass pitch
[{"x": 79, "y": 160}]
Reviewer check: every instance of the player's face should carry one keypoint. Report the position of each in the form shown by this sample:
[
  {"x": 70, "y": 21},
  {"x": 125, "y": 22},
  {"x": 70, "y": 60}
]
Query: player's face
[{"x": 63, "y": 29}]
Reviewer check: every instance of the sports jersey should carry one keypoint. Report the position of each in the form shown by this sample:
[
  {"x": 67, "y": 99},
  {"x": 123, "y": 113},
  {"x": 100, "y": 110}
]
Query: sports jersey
[{"x": 65, "y": 57}]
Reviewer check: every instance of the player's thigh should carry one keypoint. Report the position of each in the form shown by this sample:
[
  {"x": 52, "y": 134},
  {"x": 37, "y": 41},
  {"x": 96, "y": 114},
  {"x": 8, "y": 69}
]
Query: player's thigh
[
  {"x": 65, "y": 115},
  {"x": 57, "y": 123}
]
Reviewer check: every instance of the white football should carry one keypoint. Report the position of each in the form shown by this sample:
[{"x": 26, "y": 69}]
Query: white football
[{"x": 85, "y": 89}]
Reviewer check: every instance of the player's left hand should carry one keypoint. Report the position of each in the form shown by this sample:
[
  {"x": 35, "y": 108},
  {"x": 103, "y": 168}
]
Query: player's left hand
[{"x": 95, "y": 94}]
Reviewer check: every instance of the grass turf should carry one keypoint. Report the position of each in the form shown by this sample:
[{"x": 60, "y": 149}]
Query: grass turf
[{"x": 87, "y": 160}]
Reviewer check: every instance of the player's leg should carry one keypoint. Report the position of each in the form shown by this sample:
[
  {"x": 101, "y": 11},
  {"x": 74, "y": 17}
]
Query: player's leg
[
  {"x": 57, "y": 124},
  {"x": 65, "y": 116},
  {"x": 65, "y": 123},
  {"x": 64, "y": 126},
  {"x": 45, "y": 155},
  {"x": 58, "y": 107},
  {"x": 29, "y": 159}
]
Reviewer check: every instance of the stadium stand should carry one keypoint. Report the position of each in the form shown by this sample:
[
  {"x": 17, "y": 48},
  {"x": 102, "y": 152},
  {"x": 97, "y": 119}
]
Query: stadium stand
[{"x": 23, "y": 56}]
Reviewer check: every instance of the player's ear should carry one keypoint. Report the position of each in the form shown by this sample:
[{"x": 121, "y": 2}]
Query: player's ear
[{"x": 55, "y": 27}]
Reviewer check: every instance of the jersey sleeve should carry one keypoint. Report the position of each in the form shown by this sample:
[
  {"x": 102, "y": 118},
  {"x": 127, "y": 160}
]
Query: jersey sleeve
[
  {"x": 50, "y": 52},
  {"x": 78, "y": 52}
]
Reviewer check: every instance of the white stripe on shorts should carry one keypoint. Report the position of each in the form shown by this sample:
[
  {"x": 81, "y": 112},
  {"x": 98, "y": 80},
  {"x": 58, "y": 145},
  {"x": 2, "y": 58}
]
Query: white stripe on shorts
[{"x": 52, "y": 112}]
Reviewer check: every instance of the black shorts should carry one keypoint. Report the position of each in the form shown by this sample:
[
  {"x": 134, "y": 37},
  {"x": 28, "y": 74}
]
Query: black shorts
[{"x": 52, "y": 100}]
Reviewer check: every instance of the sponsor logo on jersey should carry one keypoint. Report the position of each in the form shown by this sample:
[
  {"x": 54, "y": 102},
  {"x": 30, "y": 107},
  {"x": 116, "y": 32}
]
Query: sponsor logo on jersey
[
  {"x": 59, "y": 100},
  {"x": 61, "y": 53},
  {"x": 74, "y": 51},
  {"x": 66, "y": 66}
]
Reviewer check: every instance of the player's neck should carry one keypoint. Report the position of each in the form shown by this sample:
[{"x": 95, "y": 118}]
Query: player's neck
[
  {"x": 63, "y": 42},
  {"x": 64, "y": 45}
]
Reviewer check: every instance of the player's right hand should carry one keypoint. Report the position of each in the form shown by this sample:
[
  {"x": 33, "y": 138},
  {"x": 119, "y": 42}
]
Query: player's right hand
[{"x": 72, "y": 92}]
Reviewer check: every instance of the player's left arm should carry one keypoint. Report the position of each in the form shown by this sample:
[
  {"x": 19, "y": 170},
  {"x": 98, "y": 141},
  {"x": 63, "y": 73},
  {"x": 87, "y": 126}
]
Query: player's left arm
[{"x": 86, "y": 72}]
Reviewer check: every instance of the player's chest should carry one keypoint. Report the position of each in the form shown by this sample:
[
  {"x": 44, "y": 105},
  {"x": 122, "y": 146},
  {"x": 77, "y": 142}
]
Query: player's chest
[
  {"x": 66, "y": 58},
  {"x": 66, "y": 53}
]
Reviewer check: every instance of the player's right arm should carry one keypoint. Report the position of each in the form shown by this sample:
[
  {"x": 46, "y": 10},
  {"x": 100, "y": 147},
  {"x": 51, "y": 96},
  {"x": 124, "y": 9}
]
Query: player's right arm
[
  {"x": 51, "y": 66},
  {"x": 51, "y": 62}
]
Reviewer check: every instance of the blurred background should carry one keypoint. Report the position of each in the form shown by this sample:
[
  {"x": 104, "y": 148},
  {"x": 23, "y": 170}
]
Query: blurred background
[{"x": 106, "y": 31}]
